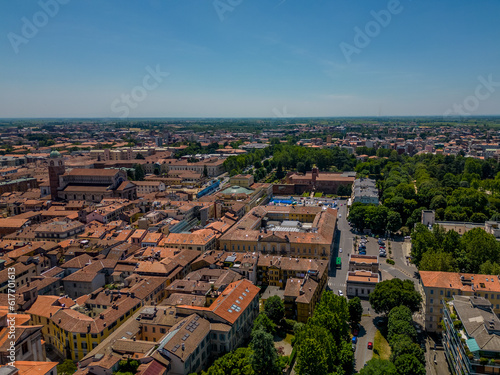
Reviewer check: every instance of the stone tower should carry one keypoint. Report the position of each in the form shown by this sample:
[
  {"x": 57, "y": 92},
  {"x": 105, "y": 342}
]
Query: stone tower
[{"x": 56, "y": 169}]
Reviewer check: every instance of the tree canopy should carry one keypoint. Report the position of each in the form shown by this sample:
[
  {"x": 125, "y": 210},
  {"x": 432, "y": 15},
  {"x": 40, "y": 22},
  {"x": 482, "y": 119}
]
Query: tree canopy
[
  {"x": 393, "y": 293},
  {"x": 274, "y": 309}
]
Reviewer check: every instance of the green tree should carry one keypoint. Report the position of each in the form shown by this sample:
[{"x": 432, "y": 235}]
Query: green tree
[
  {"x": 490, "y": 268},
  {"x": 437, "y": 261},
  {"x": 402, "y": 344},
  {"x": 322, "y": 335},
  {"x": 301, "y": 167},
  {"x": 235, "y": 363},
  {"x": 437, "y": 202},
  {"x": 355, "y": 310},
  {"x": 395, "y": 292},
  {"x": 357, "y": 215},
  {"x": 264, "y": 323},
  {"x": 128, "y": 366},
  {"x": 264, "y": 355},
  {"x": 400, "y": 313},
  {"x": 279, "y": 171},
  {"x": 68, "y": 367},
  {"x": 139, "y": 172},
  {"x": 479, "y": 247},
  {"x": 344, "y": 190},
  {"x": 274, "y": 309},
  {"x": 394, "y": 221},
  {"x": 311, "y": 359},
  {"x": 376, "y": 366},
  {"x": 401, "y": 327},
  {"x": 408, "y": 364}
]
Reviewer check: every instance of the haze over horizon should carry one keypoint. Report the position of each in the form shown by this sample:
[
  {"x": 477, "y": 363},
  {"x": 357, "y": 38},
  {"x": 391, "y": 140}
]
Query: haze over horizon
[{"x": 275, "y": 58}]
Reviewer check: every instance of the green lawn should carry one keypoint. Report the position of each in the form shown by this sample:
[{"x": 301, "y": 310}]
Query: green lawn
[
  {"x": 288, "y": 338},
  {"x": 318, "y": 195},
  {"x": 381, "y": 348}
]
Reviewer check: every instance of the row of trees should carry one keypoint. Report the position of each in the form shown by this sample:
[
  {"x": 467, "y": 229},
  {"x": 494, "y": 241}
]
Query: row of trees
[
  {"x": 322, "y": 344},
  {"x": 292, "y": 157},
  {"x": 407, "y": 358},
  {"x": 457, "y": 188},
  {"x": 378, "y": 218},
  {"x": 398, "y": 300},
  {"x": 474, "y": 252}
]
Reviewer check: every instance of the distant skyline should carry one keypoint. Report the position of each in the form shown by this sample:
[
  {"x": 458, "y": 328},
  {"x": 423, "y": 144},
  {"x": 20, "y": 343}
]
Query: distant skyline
[{"x": 254, "y": 58}]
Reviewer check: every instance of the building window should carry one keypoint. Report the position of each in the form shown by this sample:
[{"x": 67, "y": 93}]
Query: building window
[
  {"x": 441, "y": 292},
  {"x": 432, "y": 301},
  {"x": 432, "y": 291}
]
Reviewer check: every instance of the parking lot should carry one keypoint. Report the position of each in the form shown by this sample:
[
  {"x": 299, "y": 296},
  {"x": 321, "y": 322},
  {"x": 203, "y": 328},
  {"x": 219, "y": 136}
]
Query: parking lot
[{"x": 372, "y": 247}]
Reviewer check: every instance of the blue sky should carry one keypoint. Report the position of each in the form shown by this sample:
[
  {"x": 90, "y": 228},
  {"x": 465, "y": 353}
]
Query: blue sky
[{"x": 255, "y": 58}]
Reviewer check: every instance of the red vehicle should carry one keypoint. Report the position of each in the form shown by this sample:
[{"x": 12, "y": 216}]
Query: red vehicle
[{"x": 370, "y": 345}]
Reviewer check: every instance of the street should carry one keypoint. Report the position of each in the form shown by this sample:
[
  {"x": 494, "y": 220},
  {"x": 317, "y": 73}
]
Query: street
[{"x": 337, "y": 277}]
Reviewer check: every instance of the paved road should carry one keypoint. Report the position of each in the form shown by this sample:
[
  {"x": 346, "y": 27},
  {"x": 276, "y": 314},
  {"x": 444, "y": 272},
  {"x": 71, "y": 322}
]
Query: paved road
[
  {"x": 343, "y": 239},
  {"x": 366, "y": 335}
]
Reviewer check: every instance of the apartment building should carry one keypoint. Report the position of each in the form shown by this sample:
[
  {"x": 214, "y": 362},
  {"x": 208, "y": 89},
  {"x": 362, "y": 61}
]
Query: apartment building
[
  {"x": 148, "y": 187},
  {"x": 471, "y": 336},
  {"x": 438, "y": 286},
  {"x": 74, "y": 331}
]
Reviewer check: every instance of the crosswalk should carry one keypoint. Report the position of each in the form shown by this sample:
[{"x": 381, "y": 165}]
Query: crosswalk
[{"x": 332, "y": 284}]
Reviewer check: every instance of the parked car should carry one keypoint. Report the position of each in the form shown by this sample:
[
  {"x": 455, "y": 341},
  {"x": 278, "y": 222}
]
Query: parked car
[
  {"x": 340, "y": 250},
  {"x": 362, "y": 252},
  {"x": 370, "y": 345},
  {"x": 355, "y": 339},
  {"x": 383, "y": 255},
  {"x": 341, "y": 293}
]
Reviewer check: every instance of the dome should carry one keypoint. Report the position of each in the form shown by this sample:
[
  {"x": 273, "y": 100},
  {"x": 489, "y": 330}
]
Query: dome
[{"x": 55, "y": 154}]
